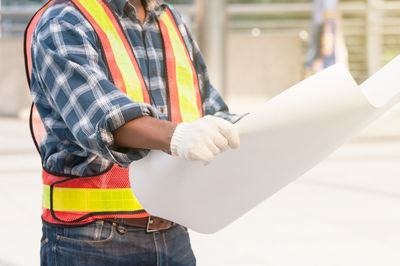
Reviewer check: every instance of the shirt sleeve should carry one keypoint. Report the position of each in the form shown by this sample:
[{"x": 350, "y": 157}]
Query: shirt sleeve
[{"x": 74, "y": 79}]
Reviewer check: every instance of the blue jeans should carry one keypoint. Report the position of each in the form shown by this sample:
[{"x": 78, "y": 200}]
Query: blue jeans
[{"x": 103, "y": 243}]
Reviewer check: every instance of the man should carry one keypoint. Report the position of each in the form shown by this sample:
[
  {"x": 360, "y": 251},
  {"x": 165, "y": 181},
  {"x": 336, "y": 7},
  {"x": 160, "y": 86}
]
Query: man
[{"x": 111, "y": 80}]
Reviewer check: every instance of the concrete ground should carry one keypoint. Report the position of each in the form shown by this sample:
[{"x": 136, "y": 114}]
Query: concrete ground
[{"x": 343, "y": 212}]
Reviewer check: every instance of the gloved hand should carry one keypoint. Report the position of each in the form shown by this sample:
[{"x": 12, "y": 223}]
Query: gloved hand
[{"x": 203, "y": 139}]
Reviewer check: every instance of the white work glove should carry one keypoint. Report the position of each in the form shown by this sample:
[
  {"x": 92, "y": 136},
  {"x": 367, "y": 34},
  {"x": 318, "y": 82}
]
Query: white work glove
[{"x": 203, "y": 139}]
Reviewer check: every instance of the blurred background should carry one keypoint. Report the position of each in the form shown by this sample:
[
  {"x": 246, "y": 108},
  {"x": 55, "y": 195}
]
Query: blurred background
[
  {"x": 343, "y": 212},
  {"x": 273, "y": 41}
]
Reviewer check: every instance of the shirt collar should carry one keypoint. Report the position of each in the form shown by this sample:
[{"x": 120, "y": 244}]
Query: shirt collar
[{"x": 119, "y": 6}]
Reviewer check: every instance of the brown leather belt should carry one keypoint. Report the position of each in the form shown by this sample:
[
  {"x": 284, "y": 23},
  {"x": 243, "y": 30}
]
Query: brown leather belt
[{"x": 151, "y": 223}]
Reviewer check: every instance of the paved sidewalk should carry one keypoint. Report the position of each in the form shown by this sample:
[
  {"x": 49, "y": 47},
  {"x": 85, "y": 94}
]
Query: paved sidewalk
[
  {"x": 20, "y": 195},
  {"x": 343, "y": 212}
]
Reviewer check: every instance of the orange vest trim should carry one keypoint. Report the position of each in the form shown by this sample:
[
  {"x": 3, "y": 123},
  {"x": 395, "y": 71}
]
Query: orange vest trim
[
  {"x": 28, "y": 38},
  {"x": 37, "y": 130}
]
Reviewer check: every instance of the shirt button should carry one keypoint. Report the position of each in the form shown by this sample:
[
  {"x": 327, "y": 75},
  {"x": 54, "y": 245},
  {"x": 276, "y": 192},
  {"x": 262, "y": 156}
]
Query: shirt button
[{"x": 154, "y": 71}]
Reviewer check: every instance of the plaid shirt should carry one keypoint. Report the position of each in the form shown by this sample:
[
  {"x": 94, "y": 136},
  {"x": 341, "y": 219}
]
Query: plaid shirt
[{"x": 80, "y": 106}]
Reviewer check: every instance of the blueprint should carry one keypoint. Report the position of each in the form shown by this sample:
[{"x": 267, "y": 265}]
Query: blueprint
[{"x": 280, "y": 141}]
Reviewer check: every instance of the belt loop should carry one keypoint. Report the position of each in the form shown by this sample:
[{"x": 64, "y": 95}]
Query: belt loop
[
  {"x": 99, "y": 229},
  {"x": 149, "y": 223}
]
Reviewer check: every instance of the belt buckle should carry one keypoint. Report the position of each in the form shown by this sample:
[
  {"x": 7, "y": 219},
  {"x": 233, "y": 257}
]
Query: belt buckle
[{"x": 149, "y": 222}]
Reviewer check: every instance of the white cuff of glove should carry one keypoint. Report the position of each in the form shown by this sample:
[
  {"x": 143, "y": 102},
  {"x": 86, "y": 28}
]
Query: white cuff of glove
[{"x": 178, "y": 137}]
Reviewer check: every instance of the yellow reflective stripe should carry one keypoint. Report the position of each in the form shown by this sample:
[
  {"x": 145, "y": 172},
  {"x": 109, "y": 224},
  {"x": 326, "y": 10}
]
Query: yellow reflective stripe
[
  {"x": 90, "y": 200},
  {"x": 184, "y": 74},
  {"x": 129, "y": 75}
]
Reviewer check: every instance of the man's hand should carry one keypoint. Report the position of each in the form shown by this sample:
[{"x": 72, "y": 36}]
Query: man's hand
[{"x": 203, "y": 139}]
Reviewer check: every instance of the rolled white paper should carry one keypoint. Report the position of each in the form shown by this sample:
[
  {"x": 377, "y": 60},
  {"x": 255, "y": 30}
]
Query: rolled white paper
[{"x": 280, "y": 141}]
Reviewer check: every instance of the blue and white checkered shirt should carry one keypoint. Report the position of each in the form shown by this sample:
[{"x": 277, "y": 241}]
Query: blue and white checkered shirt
[{"x": 78, "y": 103}]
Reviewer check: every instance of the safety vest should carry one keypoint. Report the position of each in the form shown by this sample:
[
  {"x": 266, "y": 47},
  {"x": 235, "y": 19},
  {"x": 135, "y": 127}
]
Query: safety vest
[{"x": 75, "y": 200}]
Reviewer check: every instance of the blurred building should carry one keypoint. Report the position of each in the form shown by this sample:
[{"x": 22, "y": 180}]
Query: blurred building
[{"x": 265, "y": 43}]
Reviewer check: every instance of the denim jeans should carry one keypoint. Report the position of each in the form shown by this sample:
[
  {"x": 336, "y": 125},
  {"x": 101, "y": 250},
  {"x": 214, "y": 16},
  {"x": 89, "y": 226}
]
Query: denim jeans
[{"x": 103, "y": 243}]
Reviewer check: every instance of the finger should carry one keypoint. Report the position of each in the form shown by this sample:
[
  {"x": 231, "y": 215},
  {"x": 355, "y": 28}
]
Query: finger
[
  {"x": 221, "y": 142},
  {"x": 206, "y": 156},
  {"x": 200, "y": 154},
  {"x": 232, "y": 135},
  {"x": 213, "y": 148}
]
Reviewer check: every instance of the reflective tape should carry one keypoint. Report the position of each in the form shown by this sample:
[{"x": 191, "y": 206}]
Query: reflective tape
[
  {"x": 90, "y": 200},
  {"x": 182, "y": 77},
  {"x": 120, "y": 57}
]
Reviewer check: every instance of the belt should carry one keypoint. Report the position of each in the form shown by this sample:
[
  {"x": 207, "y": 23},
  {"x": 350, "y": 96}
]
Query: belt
[{"x": 151, "y": 223}]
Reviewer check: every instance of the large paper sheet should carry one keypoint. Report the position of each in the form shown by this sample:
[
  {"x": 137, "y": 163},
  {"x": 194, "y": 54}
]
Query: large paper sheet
[{"x": 280, "y": 141}]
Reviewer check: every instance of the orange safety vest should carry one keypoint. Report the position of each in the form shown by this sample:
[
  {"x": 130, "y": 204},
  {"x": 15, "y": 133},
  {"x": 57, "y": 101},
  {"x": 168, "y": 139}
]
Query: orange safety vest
[{"x": 75, "y": 200}]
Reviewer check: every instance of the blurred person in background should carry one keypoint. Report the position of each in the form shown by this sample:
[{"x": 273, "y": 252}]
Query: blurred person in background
[
  {"x": 327, "y": 45},
  {"x": 111, "y": 80}
]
